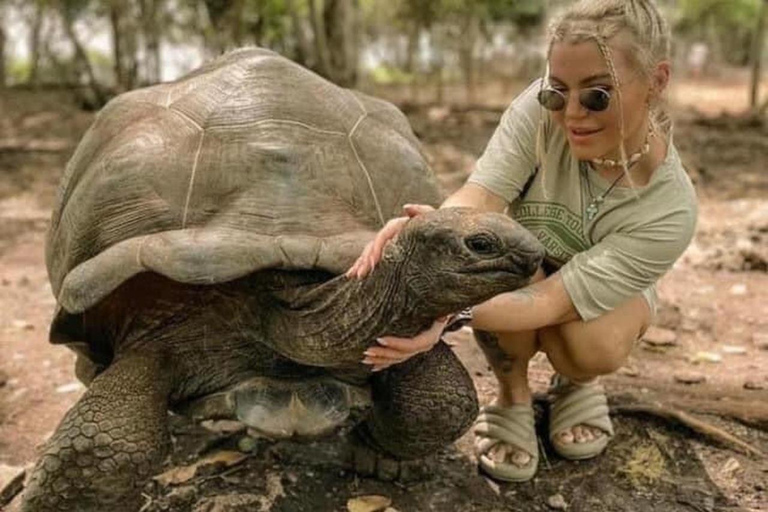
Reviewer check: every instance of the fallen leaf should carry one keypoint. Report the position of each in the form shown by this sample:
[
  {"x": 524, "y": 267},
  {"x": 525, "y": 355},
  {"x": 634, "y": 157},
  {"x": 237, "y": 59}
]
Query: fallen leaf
[
  {"x": 371, "y": 503},
  {"x": 706, "y": 357},
  {"x": 731, "y": 466},
  {"x": 181, "y": 474},
  {"x": 70, "y": 387}
]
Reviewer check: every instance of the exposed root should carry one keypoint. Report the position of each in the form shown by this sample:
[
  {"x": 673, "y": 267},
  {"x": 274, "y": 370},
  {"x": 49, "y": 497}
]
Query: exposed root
[{"x": 702, "y": 427}]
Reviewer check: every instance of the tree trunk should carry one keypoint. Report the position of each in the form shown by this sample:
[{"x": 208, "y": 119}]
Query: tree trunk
[
  {"x": 117, "y": 45},
  {"x": 217, "y": 14},
  {"x": 342, "y": 30},
  {"x": 470, "y": 32},
  {"x": 321, "y": 43},
  {"x": 81, "y": 58},
  {"x": 757, "y": 55},
  {"x": 2, "y": 58},
  {"x": 149, "y": 26},
  {"x": 34, "y": 44},
  {"x": 303, "y": 53}
]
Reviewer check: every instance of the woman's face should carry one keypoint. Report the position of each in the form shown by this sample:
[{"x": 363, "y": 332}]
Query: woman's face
[{"x": 574, "y": 67}]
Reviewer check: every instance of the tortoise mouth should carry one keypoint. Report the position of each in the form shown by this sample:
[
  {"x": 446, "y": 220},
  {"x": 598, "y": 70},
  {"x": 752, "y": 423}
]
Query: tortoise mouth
[{"x": 502, "y": 269}]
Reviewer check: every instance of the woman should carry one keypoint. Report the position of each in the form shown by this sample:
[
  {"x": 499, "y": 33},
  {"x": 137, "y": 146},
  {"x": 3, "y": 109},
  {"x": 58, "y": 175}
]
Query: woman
[{"x": 583, "y": 160}]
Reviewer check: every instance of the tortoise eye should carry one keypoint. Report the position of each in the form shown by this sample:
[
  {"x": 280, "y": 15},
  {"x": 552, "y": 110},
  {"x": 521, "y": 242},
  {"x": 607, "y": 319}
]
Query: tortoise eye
[{"x": 483, "y": 244}]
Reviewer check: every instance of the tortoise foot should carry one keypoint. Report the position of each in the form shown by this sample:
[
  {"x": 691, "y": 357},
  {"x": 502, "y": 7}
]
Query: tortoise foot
[{"x": 367, "y": 461}]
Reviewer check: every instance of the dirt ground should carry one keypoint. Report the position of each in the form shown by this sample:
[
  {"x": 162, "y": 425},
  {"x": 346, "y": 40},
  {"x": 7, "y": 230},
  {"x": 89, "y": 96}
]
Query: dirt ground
[{"x": 707, "y": 357}]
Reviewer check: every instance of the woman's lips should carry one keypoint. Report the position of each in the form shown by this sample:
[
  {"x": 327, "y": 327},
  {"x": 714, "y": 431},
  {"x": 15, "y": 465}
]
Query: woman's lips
[{"x": 581, "y": 135}]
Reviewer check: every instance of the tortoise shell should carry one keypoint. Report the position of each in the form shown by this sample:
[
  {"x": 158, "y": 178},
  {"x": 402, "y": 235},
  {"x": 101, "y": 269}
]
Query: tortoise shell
[{"x": 251, "y": 162}]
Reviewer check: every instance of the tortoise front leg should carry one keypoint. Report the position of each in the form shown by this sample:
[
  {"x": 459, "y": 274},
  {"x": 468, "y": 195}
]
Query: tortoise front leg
[
  {"x": 108, "y": 445},
  {"x": 420, "y": 406}
]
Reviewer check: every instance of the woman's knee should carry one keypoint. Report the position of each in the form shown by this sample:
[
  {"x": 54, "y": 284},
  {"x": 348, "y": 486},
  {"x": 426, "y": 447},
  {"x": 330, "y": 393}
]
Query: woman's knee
[{"x": 586, "y": 357}]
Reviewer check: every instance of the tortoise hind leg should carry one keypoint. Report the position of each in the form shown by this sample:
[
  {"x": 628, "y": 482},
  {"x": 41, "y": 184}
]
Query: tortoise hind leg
[
  {"x": 108, "y": 445},
  {"x": 419, "y": 407}
]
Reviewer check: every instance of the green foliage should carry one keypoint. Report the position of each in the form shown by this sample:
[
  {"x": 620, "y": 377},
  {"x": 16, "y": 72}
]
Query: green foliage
[
  {"x": 18, "y": 71},
  {"x": 729, "y": 24},
  {"x": 387, "y": 75},
  {"x": 723, "y": 13}
]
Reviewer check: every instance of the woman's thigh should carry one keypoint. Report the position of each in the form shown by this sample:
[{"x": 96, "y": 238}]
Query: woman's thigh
[{"x": 581, "y": 349}]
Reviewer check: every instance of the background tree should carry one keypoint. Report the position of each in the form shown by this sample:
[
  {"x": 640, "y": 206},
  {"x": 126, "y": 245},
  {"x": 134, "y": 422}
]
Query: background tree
[{"x": 757, "y": 56}]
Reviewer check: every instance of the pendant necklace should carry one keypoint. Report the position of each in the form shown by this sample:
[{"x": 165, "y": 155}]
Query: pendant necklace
[{"x": 595, "y": 202}]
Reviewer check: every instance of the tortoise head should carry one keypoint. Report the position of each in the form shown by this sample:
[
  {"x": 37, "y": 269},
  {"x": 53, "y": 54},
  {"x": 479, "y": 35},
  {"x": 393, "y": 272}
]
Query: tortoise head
[{"x": 456, "y": 257}]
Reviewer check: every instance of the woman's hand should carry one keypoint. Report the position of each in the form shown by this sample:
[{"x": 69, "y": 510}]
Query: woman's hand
[
  {"x": 371, "y": 255},
  {"x": 396, "y": 350}
]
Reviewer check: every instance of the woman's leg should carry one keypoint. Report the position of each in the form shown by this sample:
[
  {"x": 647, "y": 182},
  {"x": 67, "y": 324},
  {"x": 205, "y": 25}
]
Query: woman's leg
[
  {"x": 582, "y": 351},
  {"x": 578, "y": 350}
]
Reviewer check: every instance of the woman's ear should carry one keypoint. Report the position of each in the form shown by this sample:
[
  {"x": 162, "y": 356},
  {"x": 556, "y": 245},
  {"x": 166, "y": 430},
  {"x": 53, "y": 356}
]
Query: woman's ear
[{"x": 660, "y": 79}]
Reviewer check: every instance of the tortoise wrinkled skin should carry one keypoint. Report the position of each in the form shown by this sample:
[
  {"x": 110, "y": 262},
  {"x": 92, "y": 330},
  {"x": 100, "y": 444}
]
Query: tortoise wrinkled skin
[{"x": 198, "y": 243}]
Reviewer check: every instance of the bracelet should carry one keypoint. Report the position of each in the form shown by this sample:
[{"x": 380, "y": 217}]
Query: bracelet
[{"x": 459, "y": 320}]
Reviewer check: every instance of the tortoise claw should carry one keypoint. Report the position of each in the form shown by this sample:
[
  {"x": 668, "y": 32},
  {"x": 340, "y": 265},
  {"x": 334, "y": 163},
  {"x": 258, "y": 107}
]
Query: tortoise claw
[{"x": 368, "y": 462}]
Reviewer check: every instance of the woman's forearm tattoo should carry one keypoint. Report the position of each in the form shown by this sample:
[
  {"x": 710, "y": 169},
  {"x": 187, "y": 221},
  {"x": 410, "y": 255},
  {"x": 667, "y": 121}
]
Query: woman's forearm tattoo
[{"x": 489, "y": 343}]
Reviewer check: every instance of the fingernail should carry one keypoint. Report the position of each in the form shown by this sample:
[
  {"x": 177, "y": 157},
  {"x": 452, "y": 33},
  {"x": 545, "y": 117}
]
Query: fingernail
[
  {"x": 381, "y": 341},
  {"x": 368, "y": 353},
  {"x": 376, "y": 369},
  {"x": 366, "y": 361}
]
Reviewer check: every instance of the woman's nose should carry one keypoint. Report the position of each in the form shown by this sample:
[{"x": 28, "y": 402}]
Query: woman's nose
[{"x": 573, "y": 107}]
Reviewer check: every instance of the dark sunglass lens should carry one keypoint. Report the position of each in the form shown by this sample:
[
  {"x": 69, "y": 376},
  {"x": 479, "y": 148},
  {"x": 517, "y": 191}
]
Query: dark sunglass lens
[
  {"x": 596, "y": 100},
  {"x": 550, "y": 99}
]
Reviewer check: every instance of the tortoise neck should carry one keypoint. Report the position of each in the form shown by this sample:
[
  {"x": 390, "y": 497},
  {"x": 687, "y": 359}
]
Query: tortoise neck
[{"x": 333, "y": 323}]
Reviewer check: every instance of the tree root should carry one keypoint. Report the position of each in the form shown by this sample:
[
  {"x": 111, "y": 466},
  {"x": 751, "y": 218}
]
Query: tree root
[{"x": 697, "y": 425}]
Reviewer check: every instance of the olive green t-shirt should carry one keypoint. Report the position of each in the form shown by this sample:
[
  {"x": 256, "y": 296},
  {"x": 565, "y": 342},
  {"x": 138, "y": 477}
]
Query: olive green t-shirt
[{"x": 636, "y": 235}]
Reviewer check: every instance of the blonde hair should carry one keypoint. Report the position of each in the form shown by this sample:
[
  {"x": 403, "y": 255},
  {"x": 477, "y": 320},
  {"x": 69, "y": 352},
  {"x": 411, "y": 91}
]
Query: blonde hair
[{"x": 647, "y": 35}]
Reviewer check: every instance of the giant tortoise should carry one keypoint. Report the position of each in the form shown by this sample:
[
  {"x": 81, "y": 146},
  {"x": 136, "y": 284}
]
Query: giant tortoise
[{"x": 197, "y": 252}]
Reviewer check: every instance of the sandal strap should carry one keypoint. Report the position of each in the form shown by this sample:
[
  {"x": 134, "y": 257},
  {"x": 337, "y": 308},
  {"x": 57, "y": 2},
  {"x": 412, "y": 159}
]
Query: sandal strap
[
  {"x": 576, "y": 404},
  {"x": 511, "y": 425}
]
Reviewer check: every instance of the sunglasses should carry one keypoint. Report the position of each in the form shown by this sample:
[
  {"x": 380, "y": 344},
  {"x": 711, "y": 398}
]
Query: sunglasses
[{"x": 595, "y": 99}]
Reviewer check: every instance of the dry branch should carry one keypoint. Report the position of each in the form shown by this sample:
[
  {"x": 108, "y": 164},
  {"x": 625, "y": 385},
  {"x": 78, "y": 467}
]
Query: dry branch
[{"x": 702, "y": 427}]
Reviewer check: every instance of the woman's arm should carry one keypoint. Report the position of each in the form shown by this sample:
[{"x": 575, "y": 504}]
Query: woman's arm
[
  {"x": 541, "y": 304},
  {"x": 474, "y": 196}
]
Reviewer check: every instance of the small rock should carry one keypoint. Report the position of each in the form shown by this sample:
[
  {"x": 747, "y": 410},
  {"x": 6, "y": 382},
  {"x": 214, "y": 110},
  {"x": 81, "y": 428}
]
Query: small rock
[
  {"x": 738, "y": 289},
  {"x": 658, "y": 337},
  {"x": 760, "y": 339},
  {"x": 754, "y": 385},
  {"x": 557, "y": 502},
  {"x": 69, "y": 388},
  {"x": 733, "y": 349},
  {"x": 689, "y": 378}
]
